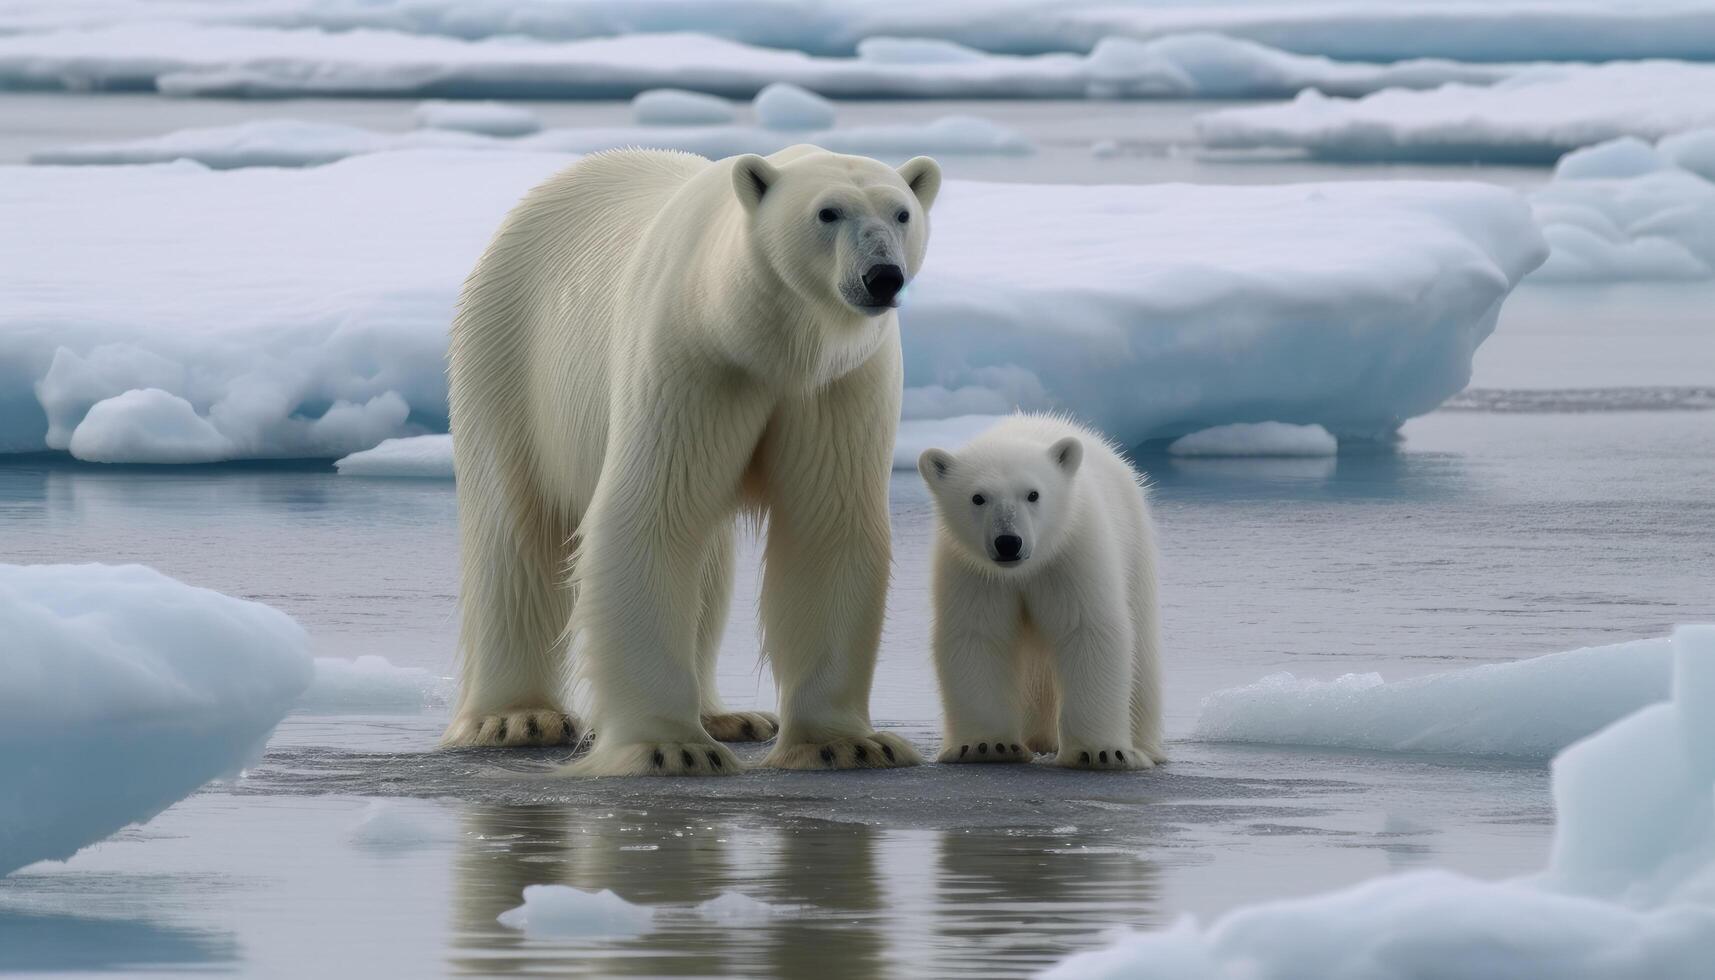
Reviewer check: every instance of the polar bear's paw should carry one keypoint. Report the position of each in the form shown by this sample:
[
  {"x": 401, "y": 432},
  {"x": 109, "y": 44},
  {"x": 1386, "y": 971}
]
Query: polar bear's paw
[
  {"x": 986, "y": 750},
  {"x": 742, "y": 726},
  {"x": 657, "y": 759},
  {"x": 1098, "y": 757},
  {"x": 877, "y": 750},
  {"x": 522, "y": 726}
]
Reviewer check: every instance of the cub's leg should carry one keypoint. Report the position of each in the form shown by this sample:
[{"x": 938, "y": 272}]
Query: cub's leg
[
  {"x": 978, "y": 631},
  {"x": 716, "y": 601},
  {"x": 1085, "y": 623}
]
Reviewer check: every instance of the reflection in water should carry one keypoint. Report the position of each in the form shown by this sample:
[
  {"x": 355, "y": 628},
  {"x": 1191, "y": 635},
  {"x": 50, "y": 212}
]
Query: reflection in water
[
  {"x": 34, "y": 942},
  {"x": 956, "y": 903}
]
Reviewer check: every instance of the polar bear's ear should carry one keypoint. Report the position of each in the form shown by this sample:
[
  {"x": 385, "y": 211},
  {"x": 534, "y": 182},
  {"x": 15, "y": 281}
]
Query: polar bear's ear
[
  {"x": 1067, "y": 453},
  {"x": 934, "y": 464},
  {"x": 923, "y": 176},
  {"x": 752, "y": 176}
]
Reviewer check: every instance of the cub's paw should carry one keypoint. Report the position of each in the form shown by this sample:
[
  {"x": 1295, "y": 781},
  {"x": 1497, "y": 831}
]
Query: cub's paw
[
  {"x": 521, "y": 726},
  {"x": 742, "y": 726},
  {"x": 1043, "y": 745},
  {"x": 877, "y": 750},
  {"x": 1093, "y": 757},
  {"x": 657, "y": 759},
  {"x": 986, "y": 750}
]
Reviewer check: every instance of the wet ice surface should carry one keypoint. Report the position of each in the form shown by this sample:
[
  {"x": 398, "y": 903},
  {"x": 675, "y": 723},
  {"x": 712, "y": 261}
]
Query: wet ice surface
[{"x": 1485, "y": 536}]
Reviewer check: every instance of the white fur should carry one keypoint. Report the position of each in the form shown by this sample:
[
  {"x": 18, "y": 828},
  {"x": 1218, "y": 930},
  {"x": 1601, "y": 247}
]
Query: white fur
[
  {"x": 1060, "y": 651},
  {"x": 652, "y": 344}
]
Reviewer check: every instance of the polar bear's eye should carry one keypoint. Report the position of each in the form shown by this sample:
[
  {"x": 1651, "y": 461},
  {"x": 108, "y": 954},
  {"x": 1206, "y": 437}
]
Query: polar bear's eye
[
  {"x": 978, "y": 500},
  {"x": 904, "y": 216},
  {"x": 1033, "y": 496},
  {"x": 828, "y": 216}
]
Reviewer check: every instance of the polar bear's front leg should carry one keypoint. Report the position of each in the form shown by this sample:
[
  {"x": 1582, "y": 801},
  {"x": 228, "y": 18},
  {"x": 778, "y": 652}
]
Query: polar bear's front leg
[
  {"x": 825, "y": 467},
  {"x": 977, "y": 633},
  {"x": 668, "y": 486},
  {"x": 715, "y": 599},
  {"x": 1084, "y": 624}
]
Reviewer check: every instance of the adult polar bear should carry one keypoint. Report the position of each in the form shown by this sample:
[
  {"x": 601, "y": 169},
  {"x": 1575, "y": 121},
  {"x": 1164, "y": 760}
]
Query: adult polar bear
[{"x": 652, "y": 344}]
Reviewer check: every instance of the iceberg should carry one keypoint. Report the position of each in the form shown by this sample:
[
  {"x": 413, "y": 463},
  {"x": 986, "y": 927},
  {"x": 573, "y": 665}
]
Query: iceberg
[
  {"x": 1534, "y": 116},
  {"x": 487, "y": 118},
  {"x": 1526, "y": 709},
  {"x": 1627, "y": 210},
  {"x": 1629, "y": 890},
  {"x": 295, "y": 324},
  {"x": 1388, "y": 30},
  {"x": 213, "y": 60},
  {"x": 126, "y": 691}
]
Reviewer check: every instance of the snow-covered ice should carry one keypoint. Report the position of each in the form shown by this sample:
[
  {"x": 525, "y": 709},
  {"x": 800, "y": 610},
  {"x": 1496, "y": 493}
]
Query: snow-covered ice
[
  {"x": 124, "y": 691},
  {"x": 1522, "y": 709},
  {"x": 295, "y": 143},
  {"x": 371, "y": 684},
  {"x": 562, "y": 912},
  {"x": 783, "y": 105},
  {"x": 1257, "y": 439},
  {"x": 1496, "y": 30},
  {"x": 414, "y": 456},
  {"x": 1532, "y": 117},
  {"x": 297, "y": 324},
  {"x": 189, "y": 59},
  {"x": 678, "y": 107},
  {"x": 1627, "y": 210},
  {"x": 1629, "y": 890},
  {"x": 487, "y": 118}
]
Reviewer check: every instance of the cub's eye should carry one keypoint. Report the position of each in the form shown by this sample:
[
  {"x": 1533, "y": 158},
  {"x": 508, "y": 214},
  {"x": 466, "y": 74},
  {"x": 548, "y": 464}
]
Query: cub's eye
[
  {"x": 1033, "y": 497},
  {"x": 903, "y": 216},
  {"x": 978, "y": 500},
  {"x": 827, "y": 216}
]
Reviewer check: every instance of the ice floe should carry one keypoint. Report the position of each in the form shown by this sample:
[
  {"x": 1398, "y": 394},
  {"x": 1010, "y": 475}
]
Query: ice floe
[
  {"x": 1629, "y": 890},
  {"x": 1532, "y": 117},
  {"x": 1522, "y": 709},
  {"x": 371, "y": 685},
  {"x": 413, "y": 456},
  {"x": 1257, "y": 439},
  {"x": 191, "y": 59},
  {"x": 304, "y": 312},
  {"x": 487, "y": 118},
  {"x": 124, "y": 691},
  {"x": 677, "y": 107},
  {"x": 562, "y": 912}
]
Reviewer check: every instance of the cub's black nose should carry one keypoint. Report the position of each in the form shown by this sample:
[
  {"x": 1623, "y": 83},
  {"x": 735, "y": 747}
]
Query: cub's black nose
[
  {"x": 1007, "y": 546},
  {"x": 884, "y": 283}
]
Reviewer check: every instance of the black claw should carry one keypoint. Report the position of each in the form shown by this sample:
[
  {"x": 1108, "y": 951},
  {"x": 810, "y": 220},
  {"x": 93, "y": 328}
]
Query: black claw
[
  {"x": 715, "y": 759},
  {"x": 982, "y": 748},
  {"x": 500, "y": 730},
  {"x": 1103, "y": 756},
  {"x": 1016, "y": 749},
  {"x": 1084, "y": 757},
  {"x": 532, "y": 729},
  {"x": 963, "y": 749},
  {"x": 828, "y": 756},
  {"x": 690, "y": 760},
  {"x": 861, "y": 752},
  {"x": 887, "y": 750},
  {"x": 749, "y": 732},
  {"x": 567, "y": 731},
  {"x": 659, "y": 759},
  {"x": 1119, "y": 755}
]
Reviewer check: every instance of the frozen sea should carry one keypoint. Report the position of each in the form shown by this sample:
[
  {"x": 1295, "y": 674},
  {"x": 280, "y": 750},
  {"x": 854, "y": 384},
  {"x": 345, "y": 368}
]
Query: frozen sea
[{"x": 1562, "y": 502}]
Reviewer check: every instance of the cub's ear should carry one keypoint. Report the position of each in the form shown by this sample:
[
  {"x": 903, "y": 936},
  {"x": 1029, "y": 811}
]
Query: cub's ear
[
  {"x": 752, "y": 176},
  {"x": 1067, "y": 453},
  {"x": 923, "y": 176},
  {"x": 934, "y": 464}
]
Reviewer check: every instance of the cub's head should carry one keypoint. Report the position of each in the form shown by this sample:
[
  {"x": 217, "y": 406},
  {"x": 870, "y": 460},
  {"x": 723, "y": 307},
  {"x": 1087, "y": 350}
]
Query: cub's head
[
  {"x": 844, "y": 232},
  {"x": 1004, "y": 505}
]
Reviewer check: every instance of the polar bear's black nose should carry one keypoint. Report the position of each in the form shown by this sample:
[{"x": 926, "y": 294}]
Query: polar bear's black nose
[
  {"x": 884, "y": 283},
  {"x": 1007, "y": 546}
]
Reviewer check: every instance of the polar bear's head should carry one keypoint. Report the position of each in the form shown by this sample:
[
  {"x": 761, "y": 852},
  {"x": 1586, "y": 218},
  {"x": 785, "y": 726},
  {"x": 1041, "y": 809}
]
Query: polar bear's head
[
  {"x": 1004, "y": 502},
  {"x": 843, "y": 232}
]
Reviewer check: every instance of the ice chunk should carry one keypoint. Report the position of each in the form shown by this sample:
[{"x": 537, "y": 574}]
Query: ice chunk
[
  {"x": 1693, "y": 150},
  {"x": 487, "y": 118},
  {"x": 394, "y": 825},
  {"x": 191, "y": 59},
  {"x": 559, "y": 912},
  {"x": 1105, "y": 148},
  {"x": 1629, "y": 890},
  {"x": 416, "y": 456},
  {"x": 786, "y": 106},
  {"x": 677, "y": 107},
  {"x": 1524, "y": 709},
  {"x": 1532, "y": 117},
  {"x": 1257, "y": 439},
  {"x": 1627, "y": 156},
  {"x": 257, "y": 143},
  {"x": 265, "y": 301},
  {"x": 371, "y": 685},
  {"x": 147, "y": 425},
  {"x": 125, "y": 691},
  {"x": 735, "y": 909}
]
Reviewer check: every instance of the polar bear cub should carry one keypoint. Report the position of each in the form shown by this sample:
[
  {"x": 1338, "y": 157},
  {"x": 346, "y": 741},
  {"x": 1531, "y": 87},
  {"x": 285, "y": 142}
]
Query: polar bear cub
[{"x": 1046, "y": 630}]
